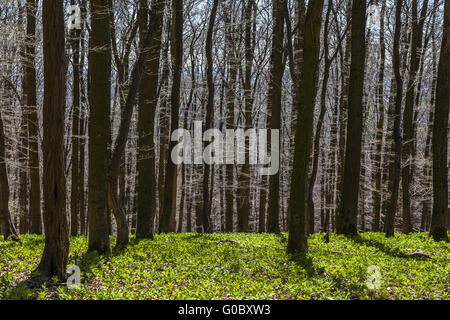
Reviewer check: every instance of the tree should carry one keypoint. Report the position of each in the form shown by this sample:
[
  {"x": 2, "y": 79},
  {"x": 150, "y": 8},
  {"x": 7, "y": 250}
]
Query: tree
[
  {"x": 206, "y": 210},
  {"x": 244, "y": 178},
  {"x": 56, "y": 249},
  {"x": 114, "y": 201},
  {"x": 170, "y": 185},
  {"x": 346, "y": 219},
  {"x": 32, "y": 120},
  {"x": 6, "y": 226},
  {"x": 408, "y": 128},
  {"x": 440, "y": 212},
  {"x": 274, "y": 105},
  {"x": 148, "y": 98},
  {"x": 396, "y": 148},
  {"x": 307, "y": 89},
  {"x": 99, "y": 125},
  {"x": 74, "y": 194},
  {"x": 377, "y": 193}
]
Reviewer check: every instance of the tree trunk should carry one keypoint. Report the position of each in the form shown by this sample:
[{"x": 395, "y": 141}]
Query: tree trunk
[
  {"x": 148, "y": 98},
  {"x": 274, "y": 105},
  {"x": 377, "y": 193},
  {"x": 307, "y": 87},
  {"x": 32, "y": 119},
  {"x": 396, "y": 148},
  {"x": 167, "y": 215},
  {"x": 74, "y": 193},
  {"x": 347, "y": 218},
  {"x": 56, "y": 249},
  {"x": 440, "y": 212},
  {"x": 207, "y": 205},
  {"x": 408, "y": 127},
  {"x": 99, "y": 126},
  {"x": 6, "y": 226}
]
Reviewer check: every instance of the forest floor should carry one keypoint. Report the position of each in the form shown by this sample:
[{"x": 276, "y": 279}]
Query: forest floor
[{"x": 241, "y": 266}]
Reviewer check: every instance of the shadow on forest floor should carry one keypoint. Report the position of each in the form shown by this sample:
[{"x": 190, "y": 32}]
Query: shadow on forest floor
[{"x": 393, "y": 252}]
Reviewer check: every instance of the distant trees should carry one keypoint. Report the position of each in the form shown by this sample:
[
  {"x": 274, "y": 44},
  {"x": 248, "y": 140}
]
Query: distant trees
[{"x": 375, "y": 138}]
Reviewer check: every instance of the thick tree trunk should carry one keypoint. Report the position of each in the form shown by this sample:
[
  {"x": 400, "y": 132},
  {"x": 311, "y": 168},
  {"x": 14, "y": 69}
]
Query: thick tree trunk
[
  {"x": 307, "y": 87},
  {"x": 167, "y": 215},
  {"x": 56, "y": 249},
  {"x": 347, "y": 218},
  {"x": 99, "y": 126},
  {"x": 439, "y": 217}
]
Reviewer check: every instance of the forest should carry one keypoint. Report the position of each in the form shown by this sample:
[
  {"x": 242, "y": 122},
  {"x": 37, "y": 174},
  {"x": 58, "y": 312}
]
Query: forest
[{"x": 224, "y": 149}]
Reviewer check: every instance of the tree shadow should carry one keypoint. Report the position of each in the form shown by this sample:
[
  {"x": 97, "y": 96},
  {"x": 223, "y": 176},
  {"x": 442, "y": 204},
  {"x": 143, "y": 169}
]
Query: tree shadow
[
  {"x": 303, "y": 260},
  {"x": 396, "y": 253}
]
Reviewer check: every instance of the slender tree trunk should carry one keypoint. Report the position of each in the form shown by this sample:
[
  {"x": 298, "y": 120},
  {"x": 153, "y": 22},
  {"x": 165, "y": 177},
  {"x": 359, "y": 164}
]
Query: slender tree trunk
[
  {"x": 408, "y": 127},
  {"x": 275, "y": 92},
  {"x": 230, "y": 96},
  {"x": 32, "y": 120},
  {"x": 323, "y": 107},
  {"x": 244, "y": 177},
  {"x": 148, "y": 99},
  {"x": 74, "y": 193},
  {"x": 377, "y": 193},
  {"x": 396, "y": 149},
  {"x": 207, "y": 205},
  {"x": 6, "y": 226}
]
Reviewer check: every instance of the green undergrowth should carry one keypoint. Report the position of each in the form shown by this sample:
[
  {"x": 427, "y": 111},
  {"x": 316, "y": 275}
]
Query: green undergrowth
[{"x": 240, "y": 266}]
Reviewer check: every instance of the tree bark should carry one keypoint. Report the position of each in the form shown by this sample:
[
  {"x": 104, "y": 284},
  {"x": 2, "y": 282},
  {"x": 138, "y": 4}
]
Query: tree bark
[
  {"x": 148, "y": 99},
  {"x": 56, "y": 249},
  {"x": 347, "y": 218},
  {"x": 440, "y": 212},
  {"x": 32, "y": 121},
  {"x": 307, "y": 87},
  {"x": 274, "y": 106},
  {"x": 99, "y": 125},
  {"x": 396, "y": 148}
]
